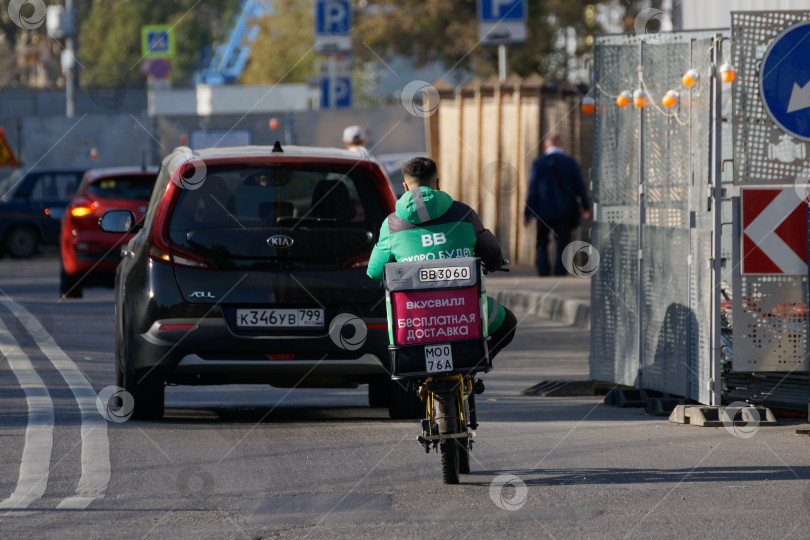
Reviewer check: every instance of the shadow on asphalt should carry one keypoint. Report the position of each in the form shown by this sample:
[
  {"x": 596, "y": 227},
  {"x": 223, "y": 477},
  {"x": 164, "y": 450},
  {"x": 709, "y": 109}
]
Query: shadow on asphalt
[
  {"x": 604, "y": 476},
  {"x": 272, "y": 415}
]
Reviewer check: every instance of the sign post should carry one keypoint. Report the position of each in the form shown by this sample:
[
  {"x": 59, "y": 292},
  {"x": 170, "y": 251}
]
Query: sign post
[
  {"x": 333, "y": 24},
  {"x": 501, "y": 22}
]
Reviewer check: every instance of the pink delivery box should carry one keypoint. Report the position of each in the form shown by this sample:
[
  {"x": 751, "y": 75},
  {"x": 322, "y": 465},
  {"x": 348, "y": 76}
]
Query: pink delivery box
[{"x": 439, "y": 315}]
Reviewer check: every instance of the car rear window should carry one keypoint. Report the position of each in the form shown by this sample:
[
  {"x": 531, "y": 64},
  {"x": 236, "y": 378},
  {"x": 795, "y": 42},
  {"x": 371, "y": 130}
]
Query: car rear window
[
  {"x": 55, "y": 185},
  {"x": 8, "y": 184},
  {"x": 280, "y": 196},
  {"x": 137, "y": 187}
]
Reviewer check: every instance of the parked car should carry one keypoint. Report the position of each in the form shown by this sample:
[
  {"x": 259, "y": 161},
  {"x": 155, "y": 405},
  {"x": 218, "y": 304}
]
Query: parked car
[
  {"x": 246, "y": 258},
  {"x": 31, "y": 203},
  {"x": 89, "y": 256}
]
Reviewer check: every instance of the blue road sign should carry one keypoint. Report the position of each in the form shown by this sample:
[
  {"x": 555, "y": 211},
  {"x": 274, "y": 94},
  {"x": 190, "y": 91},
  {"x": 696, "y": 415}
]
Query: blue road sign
[
  {"x": 491, "y": 11},
  {"x": 159, "y": 68},
  {"x": 342, "y": 98},
  {"x": 157, "y": 41},
  {"x": 333, "y": 17},
  {"x": 784, "y": 80},
  {"x": 333, "y": 24},
  {"x": 501, "y": 21}
]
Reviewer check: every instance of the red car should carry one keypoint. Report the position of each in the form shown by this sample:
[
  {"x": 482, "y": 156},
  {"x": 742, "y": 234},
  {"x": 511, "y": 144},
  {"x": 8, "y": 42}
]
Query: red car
[{"x": 90, "y": 256}]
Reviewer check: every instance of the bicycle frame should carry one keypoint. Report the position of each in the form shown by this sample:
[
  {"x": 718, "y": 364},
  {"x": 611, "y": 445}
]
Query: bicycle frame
[{"x": 462, "y": 393}]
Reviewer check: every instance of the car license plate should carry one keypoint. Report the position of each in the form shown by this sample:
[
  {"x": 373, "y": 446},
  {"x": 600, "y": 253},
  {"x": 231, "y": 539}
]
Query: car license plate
[
  {"x": 279, "y": 318},
  {"x": 444, "y": 273},
  {"x": 438, "y": 358}
]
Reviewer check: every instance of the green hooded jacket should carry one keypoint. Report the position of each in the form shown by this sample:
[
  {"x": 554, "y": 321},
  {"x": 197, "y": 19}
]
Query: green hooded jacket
[{"x": 428, "y": 224}]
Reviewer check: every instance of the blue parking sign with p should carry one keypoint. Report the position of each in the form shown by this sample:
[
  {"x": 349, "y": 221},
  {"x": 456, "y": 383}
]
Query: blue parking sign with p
[
  {"x": 502, "y": 10},
  {"x": 341, "y": 98},
  {"x": 333, "y": 17}
]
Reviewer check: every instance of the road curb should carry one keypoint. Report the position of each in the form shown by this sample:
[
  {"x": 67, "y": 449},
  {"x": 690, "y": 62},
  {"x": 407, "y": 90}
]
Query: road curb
[{"x": 547, "y": 306}]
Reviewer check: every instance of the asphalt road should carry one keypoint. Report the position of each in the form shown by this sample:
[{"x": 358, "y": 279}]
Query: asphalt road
[{"x": 255, "y": 462}]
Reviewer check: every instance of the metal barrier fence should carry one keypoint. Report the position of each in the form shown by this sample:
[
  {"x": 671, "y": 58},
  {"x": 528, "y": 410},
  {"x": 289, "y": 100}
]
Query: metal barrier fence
[
  {"x": 769, "y": 309},
  {"x": 709, "y": 196},
  {"x": 654, "y": 297}
]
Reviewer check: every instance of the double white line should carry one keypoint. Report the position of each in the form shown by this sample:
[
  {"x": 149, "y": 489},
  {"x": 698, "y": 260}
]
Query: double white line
[{"x": 35, "y": 466}]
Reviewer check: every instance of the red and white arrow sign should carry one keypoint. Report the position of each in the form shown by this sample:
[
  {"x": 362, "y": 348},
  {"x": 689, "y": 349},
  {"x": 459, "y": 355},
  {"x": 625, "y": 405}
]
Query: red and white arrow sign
[{"x": 774, "y": 232}]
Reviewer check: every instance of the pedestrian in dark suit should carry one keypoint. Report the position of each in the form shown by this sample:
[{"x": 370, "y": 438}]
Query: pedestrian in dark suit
[{"x": 557, "y": 198}]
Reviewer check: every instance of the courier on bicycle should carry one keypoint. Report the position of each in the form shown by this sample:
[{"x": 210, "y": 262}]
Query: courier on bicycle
[{"x": 429, "y": 225}]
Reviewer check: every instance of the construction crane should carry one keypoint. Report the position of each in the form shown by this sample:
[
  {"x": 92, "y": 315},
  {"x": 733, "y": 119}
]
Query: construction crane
[{"x": 228, "y": 59}]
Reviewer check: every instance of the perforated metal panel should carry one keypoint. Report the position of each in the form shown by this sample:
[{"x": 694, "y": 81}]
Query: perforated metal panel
[
  {"x": 764, "y": 154},
  {"x": 614, "y": 294},
  {"x": 667, "y": 313},
  {"x": 700, "y": 138},
  {"x": 676, "y": 278},
  {"x": 700, "y": 344},
  {"x": 701, "y": 282},
  {"x": 666, "y": 139},
  {"x": 769, "y": 323},
  {"x": 769, "y": 312},
  {"x": 615, "y": 144},
  {"x": 619, "y": 214}
]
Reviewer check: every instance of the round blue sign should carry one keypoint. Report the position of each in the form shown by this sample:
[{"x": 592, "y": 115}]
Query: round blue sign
[
  {"x": 784, "y": 80},
  {"x": 159, "y": 68}
]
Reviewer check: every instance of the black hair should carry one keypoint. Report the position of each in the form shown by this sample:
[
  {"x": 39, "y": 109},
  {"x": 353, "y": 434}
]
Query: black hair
[{"x": 422, "y": 169}]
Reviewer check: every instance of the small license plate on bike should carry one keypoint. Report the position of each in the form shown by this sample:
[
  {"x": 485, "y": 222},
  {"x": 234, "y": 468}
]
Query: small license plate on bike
[{"x": 438, "y": 358}]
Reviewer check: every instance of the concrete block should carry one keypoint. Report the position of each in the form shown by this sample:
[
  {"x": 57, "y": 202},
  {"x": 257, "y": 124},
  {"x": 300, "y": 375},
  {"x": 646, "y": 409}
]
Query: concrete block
[
  {"x": 704, "y": 416},
  {"x": 548, "y": 306}
]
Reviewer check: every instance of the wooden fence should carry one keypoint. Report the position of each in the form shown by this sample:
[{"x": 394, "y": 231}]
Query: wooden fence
[{"x": 484, "y": 136}]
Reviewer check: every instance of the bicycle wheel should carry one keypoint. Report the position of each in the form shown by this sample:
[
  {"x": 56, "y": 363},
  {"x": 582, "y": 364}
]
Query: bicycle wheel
[{"x": 447, "y": 418}]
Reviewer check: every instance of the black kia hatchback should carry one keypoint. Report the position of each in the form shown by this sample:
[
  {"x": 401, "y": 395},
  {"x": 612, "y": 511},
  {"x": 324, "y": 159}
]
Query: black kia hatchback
[{"x": 250, "y": 267}]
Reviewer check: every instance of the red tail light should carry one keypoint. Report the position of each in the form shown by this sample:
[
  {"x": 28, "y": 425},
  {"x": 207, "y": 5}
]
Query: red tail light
[
  {"x": 280, "y": 356},
  {"x": 81, "y": 211},
  {"x": 357, "y": 263},
  {"x": 82, "y": 207},
  {"x": 161, "y": 247}
]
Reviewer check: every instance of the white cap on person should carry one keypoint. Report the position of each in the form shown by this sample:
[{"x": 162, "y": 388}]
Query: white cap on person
[{"x": 354, "y": 135}]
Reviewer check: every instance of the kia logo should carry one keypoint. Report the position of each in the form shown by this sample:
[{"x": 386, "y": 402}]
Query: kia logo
[{"x": 280, "y": 241}]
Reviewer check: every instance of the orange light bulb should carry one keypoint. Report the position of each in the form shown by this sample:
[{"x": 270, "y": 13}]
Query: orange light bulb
[
  {"x": 690, "y": 77},
  {"x": 638, "y": 98},
  {"x": 727, "y": 72},
  {"x": 588, "y": 105},
  {"x": 623, "y": 99},
  {"x": 670, "y": 99}
]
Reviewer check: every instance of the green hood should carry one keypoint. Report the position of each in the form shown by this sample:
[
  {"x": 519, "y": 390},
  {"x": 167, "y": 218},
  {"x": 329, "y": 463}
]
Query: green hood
[{"x": 433, "y": 204}]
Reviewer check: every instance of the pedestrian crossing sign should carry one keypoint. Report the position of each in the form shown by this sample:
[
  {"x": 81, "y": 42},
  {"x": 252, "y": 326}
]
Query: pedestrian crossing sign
[{"x": 157, "y": 41}]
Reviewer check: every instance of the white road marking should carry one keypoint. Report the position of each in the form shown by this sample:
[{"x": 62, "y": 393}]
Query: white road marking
[
  {"x": 96, "y": 469},
  {"x": 36, "y": 457}
]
